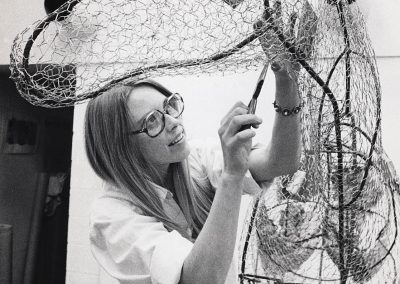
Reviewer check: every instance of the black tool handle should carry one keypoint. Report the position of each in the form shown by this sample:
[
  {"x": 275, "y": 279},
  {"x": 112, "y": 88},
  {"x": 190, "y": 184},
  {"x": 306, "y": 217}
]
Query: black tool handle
[
  {"x": 252, "y": 109},
  {"x": 253, "y": 102}
]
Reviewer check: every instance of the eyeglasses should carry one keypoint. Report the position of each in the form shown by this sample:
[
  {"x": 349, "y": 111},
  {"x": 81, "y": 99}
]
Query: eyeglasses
[{"x": 154, "y": 123}]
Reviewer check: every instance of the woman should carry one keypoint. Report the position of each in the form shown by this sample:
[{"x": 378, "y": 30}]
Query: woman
[{"x": 168, "y": 214}]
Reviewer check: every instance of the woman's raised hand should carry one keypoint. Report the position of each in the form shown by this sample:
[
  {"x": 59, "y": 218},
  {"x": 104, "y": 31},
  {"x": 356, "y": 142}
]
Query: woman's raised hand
[
  {"x": 299, "y": 32},
  {"x": 236, "y": 145}
]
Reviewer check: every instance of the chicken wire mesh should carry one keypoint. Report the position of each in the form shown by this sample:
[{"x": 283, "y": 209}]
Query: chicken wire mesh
[
  {"x": 95, "y": 44},
  {"x": 335, "y": 219}
]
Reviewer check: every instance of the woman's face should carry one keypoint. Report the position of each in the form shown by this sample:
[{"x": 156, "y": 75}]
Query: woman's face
[{"x": 170, "y": 146}]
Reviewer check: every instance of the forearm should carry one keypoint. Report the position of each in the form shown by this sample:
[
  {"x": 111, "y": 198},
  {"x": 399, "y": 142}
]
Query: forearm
[
  {"x": 212, "y": 253},
  {"x": 282, "y": 156},
  {"x": 285, "y": 145}
]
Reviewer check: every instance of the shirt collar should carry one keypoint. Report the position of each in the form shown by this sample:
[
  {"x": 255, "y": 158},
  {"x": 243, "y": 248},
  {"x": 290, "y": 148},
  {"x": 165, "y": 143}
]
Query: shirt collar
[
  {"x": 162, "y": 192},
  {"x": 171, "y": 208}
]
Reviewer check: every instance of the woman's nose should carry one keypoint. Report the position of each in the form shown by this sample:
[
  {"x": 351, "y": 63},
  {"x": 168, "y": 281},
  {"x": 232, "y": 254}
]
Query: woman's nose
[{"x": 171, "y": 123}]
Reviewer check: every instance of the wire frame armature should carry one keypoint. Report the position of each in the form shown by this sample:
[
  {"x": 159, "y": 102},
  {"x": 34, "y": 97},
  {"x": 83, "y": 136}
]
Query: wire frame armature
[
  {"x": 335, "y": 220},
  {"x": 106, "y": 42}
]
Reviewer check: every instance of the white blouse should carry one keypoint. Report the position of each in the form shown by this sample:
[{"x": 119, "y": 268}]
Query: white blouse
[{"x": 138, "y": 249}]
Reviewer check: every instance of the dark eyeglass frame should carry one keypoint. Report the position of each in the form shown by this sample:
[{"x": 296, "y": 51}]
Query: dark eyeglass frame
[{"x": 163, "y": 113}]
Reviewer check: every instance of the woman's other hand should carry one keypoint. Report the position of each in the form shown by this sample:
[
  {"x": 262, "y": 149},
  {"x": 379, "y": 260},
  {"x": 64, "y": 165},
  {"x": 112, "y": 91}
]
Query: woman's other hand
[
  {"x": 236, "y": 144},
  {"x": 299, "y": 31}
]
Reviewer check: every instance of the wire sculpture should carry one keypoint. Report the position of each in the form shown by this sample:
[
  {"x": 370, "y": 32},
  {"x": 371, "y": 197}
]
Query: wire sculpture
[{"x": 335, "y": 220}]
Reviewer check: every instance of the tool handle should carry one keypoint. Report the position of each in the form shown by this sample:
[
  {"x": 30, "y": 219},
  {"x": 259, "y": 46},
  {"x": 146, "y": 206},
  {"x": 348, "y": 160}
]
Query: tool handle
[{"x": 252, "y": 110}]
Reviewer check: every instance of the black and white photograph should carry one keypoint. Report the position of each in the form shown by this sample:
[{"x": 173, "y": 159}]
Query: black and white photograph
[{"x": 199, "y": 142}]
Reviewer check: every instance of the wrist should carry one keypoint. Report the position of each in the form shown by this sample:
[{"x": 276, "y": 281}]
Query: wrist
[
  {"x": 286, "y": 110},
  {"x": 232, "y": 180}
]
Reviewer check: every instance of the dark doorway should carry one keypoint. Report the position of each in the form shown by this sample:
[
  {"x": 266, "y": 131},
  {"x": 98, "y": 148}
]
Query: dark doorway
[{"x": 35, "y": 163}]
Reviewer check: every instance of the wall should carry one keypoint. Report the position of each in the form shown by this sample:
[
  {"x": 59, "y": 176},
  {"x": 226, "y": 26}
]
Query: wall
[
  {"x": 16, "y": 15},
  {"x": 383, "y": 25}
]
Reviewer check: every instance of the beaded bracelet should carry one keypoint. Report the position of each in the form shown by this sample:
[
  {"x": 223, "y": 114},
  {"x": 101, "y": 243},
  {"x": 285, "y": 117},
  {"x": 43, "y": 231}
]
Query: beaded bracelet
[{"x": 287, "y": 111}]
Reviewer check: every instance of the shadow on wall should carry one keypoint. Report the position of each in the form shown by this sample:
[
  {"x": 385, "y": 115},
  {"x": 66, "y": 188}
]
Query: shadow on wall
[{"x": 35, "y": 160}]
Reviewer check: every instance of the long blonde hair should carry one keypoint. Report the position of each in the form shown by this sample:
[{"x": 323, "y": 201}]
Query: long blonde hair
[{"x": 107, "y": 119}]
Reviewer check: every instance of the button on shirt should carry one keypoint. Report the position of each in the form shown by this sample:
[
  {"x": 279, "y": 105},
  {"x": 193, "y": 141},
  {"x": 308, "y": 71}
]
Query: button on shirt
[{"x": 138, "y": 249}]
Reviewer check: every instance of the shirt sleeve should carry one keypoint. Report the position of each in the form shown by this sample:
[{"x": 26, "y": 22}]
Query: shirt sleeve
[
  {"x": 134, "y": 248},
  {"x": 208, "y": 156}
]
